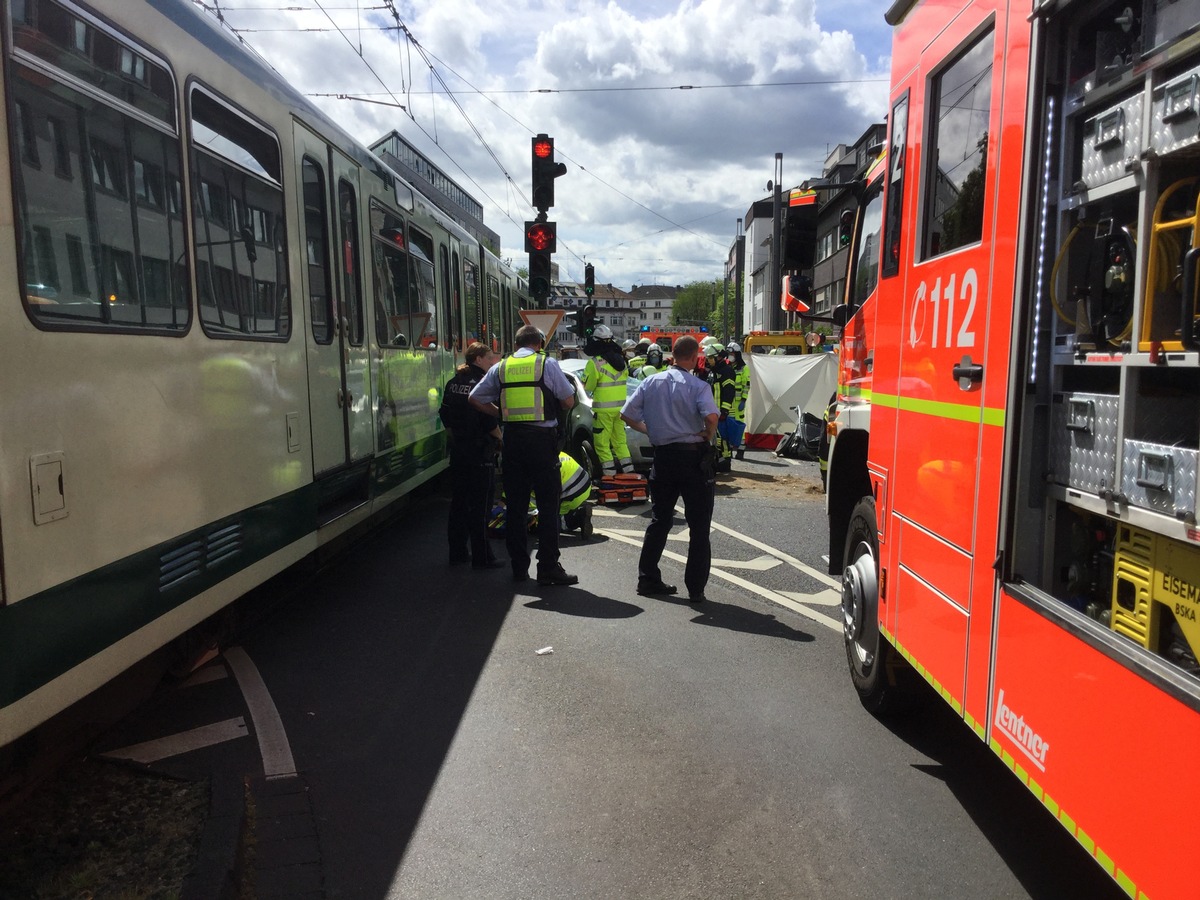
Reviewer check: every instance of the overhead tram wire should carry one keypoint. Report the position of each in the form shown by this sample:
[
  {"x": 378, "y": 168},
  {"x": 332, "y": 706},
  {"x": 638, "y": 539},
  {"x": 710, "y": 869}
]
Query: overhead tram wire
[
  {"x": 581, "y": 167},
  {"x": 401, "y": 106},
  {"x": 665, "y": 87}
]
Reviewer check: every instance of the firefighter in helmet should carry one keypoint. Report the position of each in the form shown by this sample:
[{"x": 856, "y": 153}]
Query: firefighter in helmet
[
  {"x": 722, "y": 379},
  {"x": 654, "y": 363},
  {"x": 639, "y": 354},
  {"x": 741, "y": 382},
  {"x": 604, "y": 378}
]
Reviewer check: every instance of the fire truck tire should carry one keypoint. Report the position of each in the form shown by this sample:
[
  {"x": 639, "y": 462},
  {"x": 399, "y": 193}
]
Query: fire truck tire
[{"x": 872, "y": 659}]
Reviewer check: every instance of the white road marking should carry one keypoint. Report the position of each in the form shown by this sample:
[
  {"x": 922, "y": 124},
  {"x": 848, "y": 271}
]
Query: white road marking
[
  {"x": 272, "y": 739},
  {"x": 776, "y": 597},
  {"x": 759, "y": 564},
  {"x": 828, "y": 597},
  {"x": 183, "y": 742},
  {"x": 205, "y": 675},
  {"x": 779, "y": 554}
]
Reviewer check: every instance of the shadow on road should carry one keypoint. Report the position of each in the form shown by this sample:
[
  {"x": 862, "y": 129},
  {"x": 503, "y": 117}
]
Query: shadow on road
[{"x": 571, "y": 601}]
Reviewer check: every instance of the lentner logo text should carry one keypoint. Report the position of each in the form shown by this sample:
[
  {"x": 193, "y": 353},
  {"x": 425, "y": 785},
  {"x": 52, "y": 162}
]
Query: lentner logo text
[{"x": 1027, "y": 740}]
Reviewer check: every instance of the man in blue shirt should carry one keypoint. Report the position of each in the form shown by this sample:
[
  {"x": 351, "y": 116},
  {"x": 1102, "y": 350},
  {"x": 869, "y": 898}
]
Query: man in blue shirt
[{"x": 676, "y": 410}]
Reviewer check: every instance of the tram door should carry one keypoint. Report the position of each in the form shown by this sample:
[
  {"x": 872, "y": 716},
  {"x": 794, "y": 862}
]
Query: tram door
[{"x": 340, "y": 399}]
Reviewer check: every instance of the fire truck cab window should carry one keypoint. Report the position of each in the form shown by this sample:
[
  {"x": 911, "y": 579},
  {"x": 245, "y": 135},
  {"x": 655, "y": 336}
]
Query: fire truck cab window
[
  {"x": 866, "y": 259},
  {"x": 961, "y": 104}
]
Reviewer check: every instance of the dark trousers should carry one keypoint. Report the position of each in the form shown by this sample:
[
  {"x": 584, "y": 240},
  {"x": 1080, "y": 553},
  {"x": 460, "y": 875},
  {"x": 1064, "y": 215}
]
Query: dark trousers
[
  {"x": 676, "y": 473},
  {"x": 470, "y": 505},
  {"x": 531, "y": 465}
]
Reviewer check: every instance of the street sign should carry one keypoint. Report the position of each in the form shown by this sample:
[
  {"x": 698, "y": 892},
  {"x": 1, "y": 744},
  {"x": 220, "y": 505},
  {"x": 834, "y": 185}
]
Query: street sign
[{"x": 546, "y": 320}]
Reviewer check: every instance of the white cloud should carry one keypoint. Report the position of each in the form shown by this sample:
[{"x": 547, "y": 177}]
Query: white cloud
[{"x": 697, "y": 158}]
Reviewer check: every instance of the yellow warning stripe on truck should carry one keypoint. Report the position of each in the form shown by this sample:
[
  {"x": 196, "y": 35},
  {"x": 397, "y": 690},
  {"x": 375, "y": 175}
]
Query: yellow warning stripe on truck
[{"x": 961, "y": 412}]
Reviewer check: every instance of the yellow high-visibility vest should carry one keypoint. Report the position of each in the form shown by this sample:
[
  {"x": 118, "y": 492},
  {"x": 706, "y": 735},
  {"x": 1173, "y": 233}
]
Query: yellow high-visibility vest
[
  {"x": 607, "y": 385},
  {"x": 522, "y": 396}
]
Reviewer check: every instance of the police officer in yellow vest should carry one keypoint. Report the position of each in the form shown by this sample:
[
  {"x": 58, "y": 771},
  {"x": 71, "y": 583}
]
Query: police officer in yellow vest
[
  {"x": 530, "y": 390},
  {"x": 604, "y": 378}
]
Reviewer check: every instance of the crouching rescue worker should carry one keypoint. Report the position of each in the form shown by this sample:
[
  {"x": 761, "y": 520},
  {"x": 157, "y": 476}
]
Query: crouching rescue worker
[
  {"x": 576, "y": 488},
  {"x": 474, "y": 440},
  {"x": 605, "y": 379}
]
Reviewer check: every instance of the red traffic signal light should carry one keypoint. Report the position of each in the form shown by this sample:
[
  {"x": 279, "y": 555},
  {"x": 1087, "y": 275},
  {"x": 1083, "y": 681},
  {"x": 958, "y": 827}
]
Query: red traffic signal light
[
  {"x": 541, "y": 236},
  {"x": 545, "y": 170}
]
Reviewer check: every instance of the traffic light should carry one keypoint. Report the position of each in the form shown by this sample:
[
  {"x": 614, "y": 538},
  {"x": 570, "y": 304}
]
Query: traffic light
[
  {"x": 582, "y": 322},
  {"x": 539, "y": 276},
  {"x": 545, "y": 170},
  {"x": 589, "y": 279},
  {"x": 846, "y": 227},
  {"x": 541, "y": 236}
]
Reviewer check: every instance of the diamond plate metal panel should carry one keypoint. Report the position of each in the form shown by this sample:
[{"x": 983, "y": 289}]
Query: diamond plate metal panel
[
  {"x": 1160, "y": 477},
  {"x": 1083, "y": 441},
  {"x": 1175, "y": 113},
  {"x": 1111, "y": 140}
]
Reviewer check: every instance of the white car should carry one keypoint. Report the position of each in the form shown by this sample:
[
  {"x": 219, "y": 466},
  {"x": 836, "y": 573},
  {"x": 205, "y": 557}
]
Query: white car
[{"x": 640, "y": 450}]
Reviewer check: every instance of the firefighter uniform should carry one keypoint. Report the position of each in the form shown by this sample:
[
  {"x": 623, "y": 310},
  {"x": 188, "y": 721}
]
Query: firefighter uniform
[
  {"x": 724, "y": 388},
  {"x": 741, "y": 381},
  {"x": 607, "y": 386}
]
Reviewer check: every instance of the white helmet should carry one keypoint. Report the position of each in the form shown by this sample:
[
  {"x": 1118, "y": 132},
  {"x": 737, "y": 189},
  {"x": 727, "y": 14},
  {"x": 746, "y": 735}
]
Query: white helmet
[
  {"x": 602, "y": 333},
  {"x": 733, "y": 347},
  {"x": 628, "y": 345},
  {"x": 714, "y": 349},
  {"x": 709, "y": 341}
]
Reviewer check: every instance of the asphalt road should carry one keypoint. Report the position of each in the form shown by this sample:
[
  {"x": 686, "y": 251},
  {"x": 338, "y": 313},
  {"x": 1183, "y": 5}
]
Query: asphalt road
[{"x": 660, "y": 751}]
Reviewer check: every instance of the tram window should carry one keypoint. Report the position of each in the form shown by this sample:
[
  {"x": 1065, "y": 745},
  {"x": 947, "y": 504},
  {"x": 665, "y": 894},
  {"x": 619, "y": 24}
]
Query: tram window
[
  {"x": 351, "y": 279},
  {"x": 456, "y": 298},
  {"x": 316, "y": 237},
  {"x": 238, "y": 229},
  {"x": 450, "y": 333},
  {"x": 422, "y": 294},
  {"x": 63, "y": 37},
  {"x": 94, "y": 226},
  {"x": 472, "y": 308},
  {"x": 389, "y": 268},
  {"x": 499, "y": 340},
  {"x": 959, "y": 121}
]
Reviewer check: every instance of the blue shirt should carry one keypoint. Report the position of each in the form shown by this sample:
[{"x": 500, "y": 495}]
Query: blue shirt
[
  {"x": 674, "y": 405},
  {"x": 488, "y": 389}
]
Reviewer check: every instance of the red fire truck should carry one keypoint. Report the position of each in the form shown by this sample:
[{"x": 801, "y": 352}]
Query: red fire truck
[{"x": 1012, "y": 479}]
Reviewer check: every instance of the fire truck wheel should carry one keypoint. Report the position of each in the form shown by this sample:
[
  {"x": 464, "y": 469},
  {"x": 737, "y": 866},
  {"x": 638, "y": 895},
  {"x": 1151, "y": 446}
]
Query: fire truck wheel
[{"x": 872, "y": 659}]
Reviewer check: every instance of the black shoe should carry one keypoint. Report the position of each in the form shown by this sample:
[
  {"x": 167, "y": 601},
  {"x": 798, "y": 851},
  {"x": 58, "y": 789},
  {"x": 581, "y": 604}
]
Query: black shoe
[
  {"x": 520, "y": 574},
  {"x": 741, "y": 454},
  {"x": 489, "y": 564},
  {"x": 557, "y": 575},
  {"x": 699, "y": 598},
  {"x": 651, "y": 588}
]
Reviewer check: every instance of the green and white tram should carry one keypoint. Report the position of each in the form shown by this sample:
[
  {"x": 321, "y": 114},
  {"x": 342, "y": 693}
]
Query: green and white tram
[{"x": 224, "y": 328}]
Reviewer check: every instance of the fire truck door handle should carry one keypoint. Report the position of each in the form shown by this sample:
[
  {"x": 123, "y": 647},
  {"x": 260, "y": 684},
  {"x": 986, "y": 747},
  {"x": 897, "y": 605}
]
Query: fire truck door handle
[
  {"x": 967, "y": 373},
  {"x": 1187, "y": 329}
]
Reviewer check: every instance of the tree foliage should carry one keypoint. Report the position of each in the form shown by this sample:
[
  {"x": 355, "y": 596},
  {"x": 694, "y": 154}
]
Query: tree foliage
[{"x": 694, "y": 302}]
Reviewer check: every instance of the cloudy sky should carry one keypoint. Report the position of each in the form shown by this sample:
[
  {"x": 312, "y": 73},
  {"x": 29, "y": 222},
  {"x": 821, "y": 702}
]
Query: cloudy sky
[{"x": 657, "y": 176}]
